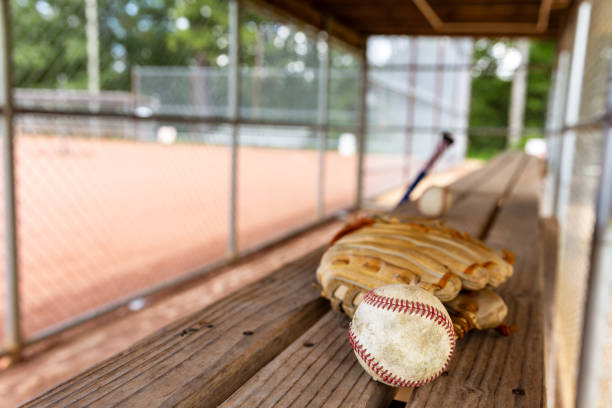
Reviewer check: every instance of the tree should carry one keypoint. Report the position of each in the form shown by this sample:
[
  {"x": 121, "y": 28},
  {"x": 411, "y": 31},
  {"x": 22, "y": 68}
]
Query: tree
[
  {"x": 49, "y": 44},
  {"x": 541, "y": 57},
  {"x": 491, "y": 84},
  {"x": 50, "y": 49}
]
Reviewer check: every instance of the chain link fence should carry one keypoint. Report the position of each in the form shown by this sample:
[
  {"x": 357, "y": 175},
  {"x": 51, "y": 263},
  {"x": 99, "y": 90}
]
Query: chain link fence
[
  {"x": 100, "y": 219},
  {"x": 124, "y": 138},
  {"x": 416, "y": 91},
  {"x": 577, "y": 130}
]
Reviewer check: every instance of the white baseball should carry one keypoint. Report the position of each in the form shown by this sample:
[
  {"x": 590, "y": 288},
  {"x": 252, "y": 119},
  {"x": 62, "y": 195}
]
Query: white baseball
[
  {"x": 435, "y": 201},
  {"x": 402, "y": 335}
]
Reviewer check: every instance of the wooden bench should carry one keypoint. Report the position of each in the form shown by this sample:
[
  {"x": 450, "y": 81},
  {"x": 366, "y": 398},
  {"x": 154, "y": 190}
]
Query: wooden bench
[{"x": 277, "y": 343}]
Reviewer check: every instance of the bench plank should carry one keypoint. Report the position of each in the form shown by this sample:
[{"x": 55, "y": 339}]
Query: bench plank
[
  {"x": 277, "y": 343},
  {"x": 466, "y": 184},
  {"x": 327, "y": 374},
  {"x": 478, "y": 195},
  {"x": 318, "y": 369},
  {"x": 549, "y": 232},
  {"x": 202, "y": 359},
  {"x": 477, "y": 209},
  {"x": 490, "y": 370}
]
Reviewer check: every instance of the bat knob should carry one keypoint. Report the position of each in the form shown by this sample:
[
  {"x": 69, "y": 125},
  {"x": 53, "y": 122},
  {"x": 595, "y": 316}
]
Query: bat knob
[{"x": 448, "y": 138}]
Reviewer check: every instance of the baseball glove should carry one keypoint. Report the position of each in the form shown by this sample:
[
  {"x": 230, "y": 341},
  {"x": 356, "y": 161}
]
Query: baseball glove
[{"x": 381, "y": 250}]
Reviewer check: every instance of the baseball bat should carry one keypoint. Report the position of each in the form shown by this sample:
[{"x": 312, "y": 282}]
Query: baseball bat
[{"x": 445, "y": 142}]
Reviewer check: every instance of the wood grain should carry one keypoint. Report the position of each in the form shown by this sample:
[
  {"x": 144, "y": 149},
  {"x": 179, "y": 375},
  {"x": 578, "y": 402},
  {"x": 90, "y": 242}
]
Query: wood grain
[
  {"x": 474, "y": 213},
  {"x": 462, "y": 187},
  {"x": 403, "y": 18},
  {"x": 318, "y": 369},
  {"x": 490, "y": 370},
  {"x": 548, "y": 265},
  {"x": 276, "y": 343},
  {"x": 326, "y": 373},
  {"x": 477, "y": 195},
  {"x": 200, "y": 360}
]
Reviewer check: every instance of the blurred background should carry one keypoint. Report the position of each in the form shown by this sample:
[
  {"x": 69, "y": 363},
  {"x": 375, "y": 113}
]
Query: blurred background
[{"x": 154, "y": 140}]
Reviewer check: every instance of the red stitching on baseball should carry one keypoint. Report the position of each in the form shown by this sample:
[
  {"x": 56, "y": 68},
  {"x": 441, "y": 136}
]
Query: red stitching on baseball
[{"x": 410, "y": 307}]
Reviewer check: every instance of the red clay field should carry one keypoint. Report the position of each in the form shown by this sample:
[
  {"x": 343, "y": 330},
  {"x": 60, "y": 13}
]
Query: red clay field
[{"x": 101, "y": 219}]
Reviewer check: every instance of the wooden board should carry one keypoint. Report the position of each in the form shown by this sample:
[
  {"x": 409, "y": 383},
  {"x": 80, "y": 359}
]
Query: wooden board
[
  {"x": 202, "y": 359},
  {"x": 548, "y": 266},
  {"x": 462, "y": 187},
  {"x": 319, "y": 369},
  {"x": 277, "y": 343},
  {"x": 463, "y": 18},
  {"x": 476, "y": 211},
  {"x": 478, "y": 195},
  {"x": 327, "y": 373},
  {"x": 490, "y": 370}
]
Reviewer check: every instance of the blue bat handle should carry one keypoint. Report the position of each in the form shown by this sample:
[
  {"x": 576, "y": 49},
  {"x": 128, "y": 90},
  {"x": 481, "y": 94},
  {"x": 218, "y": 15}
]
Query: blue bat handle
[{"x": 416, "y": 181}]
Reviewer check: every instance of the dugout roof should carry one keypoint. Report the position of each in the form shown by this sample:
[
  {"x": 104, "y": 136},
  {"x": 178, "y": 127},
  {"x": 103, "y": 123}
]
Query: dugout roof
[{"x": 353, "y": 20}]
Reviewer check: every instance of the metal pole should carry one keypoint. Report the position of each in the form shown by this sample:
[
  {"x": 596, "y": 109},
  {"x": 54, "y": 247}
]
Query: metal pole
[
  {"x": 453, "y": 109},
  {"x": 322, "y": 117},
  {"x": 234, "y": 113},
  {"x": 13, "y": 340},
  {"x": 436, "y": 117},
  {"x": 93, "y": 46},
  {"x": 600, "y": 278},
  {"x": 467, "y": 91},
  {"x": 518, "y": 96},
  {"x": 93, "y": 63},
  {"x": 411, "y": 111},
  {"x": 363, "y": 123},
  {"x": 135, "y": 87},
  {"x": 556, "y": 119},
  {"x": 572, "y": 110}
]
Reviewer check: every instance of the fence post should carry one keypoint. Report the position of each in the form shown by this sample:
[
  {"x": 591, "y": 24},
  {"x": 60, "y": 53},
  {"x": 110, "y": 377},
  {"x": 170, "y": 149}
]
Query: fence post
[
  {"x": 436, "y": 117},
  {"x": 13, "y": 341},
  {"x": 572, "y": 108},
  {"x": 413, "y": 44},
  {"x": 93, "y": 45},
  {"x": 135, "y": 90},
  {"x": 557, "y": 106},
  {"x": 322, "y": 115},
  {"x": 363, "y": 122},
  {"x": 518, "y": 96},
  {"x": 234, "y": 113}
]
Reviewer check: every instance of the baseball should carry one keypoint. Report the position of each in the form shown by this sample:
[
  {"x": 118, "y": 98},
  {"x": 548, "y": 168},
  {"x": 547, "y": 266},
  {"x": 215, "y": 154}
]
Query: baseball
[
  {"x": 435, "y": 201},
  {"x": 402, "y": 335}
]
